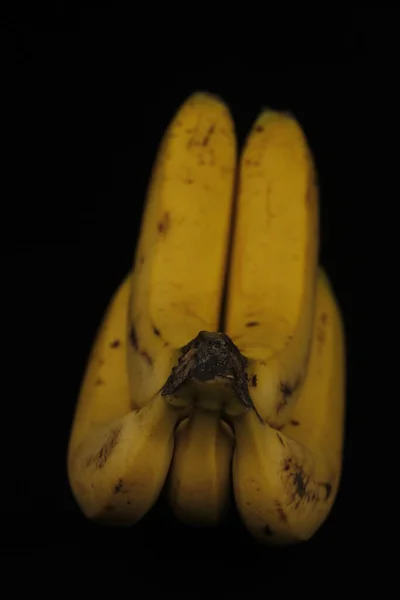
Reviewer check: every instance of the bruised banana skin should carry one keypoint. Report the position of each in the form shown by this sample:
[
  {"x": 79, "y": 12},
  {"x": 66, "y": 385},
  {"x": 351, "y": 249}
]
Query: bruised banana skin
[
  {"x": 181, "y": 255},
  {"x": 285, "y": 482},
  {"x": 271, "y": 291},
  {"x": 118, "y": 457},
  {"x": 199, "y": 482}
]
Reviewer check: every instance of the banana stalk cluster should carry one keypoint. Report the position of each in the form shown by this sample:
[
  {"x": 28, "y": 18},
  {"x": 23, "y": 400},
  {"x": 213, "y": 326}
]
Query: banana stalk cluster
[{"x": 218, "y": 371}]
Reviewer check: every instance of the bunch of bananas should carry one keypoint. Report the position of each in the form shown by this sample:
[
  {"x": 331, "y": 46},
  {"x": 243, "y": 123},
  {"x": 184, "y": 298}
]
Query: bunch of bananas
[{"x": 219, "y": 367}]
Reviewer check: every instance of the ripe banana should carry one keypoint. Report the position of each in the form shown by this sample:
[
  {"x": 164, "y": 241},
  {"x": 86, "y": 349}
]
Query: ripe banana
[
  {"x": 163, "y": 379},
  {"x": 118, "y": 458},
  {"x": 285, "y": 481},
  {"x": 274, "y": 261},
  {"x": 181, "y": 256},
  {"x": 199, "y": 483}
]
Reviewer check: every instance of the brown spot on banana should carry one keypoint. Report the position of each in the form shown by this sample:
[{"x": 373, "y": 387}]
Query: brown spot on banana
[
  {"x": 115, "y": 344},
  {"x": 164, "y": 224},
  {"x": 300, "y": 483},
  {"x": 281, "y": 513},
  {"x": 118, "y": 487},
  {"x": 102, "y": 456},
  {"x": 208, "y": 135},
  {"x": 287, "y": 391},
  {"x": 135, "y": 343},
  {"x": 300, "y": 486}
]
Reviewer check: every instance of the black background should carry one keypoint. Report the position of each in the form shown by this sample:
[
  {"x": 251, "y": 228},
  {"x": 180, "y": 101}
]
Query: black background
[{"x": 87, "y": 98}]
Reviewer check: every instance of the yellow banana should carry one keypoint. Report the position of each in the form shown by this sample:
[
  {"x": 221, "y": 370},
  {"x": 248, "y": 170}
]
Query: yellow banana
[
  {"x": 274, "y": 262},
  {"x": 118, "y": 458},
  {"x": 180, "y": 260},
  {"x": 199, "y": 484},
  {"x": 163, "y": 377},
  {"x": 285, "y": 482}
]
